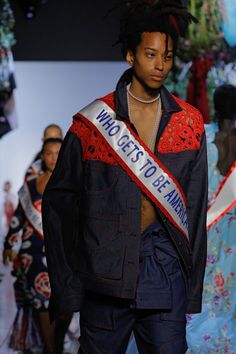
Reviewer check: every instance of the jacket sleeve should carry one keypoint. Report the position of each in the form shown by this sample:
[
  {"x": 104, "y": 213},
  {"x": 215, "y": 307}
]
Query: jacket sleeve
[
  {"x": 60, "y": 207},
  {"x": 197, "y": 196}
]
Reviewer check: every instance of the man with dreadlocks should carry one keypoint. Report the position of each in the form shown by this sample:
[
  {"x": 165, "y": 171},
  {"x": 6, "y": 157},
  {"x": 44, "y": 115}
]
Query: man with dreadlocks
[{"x": 124, "y": 212}]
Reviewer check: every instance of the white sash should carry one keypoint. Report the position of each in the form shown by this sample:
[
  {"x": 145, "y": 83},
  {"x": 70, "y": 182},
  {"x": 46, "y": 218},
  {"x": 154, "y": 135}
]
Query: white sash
[
  {"x": 32, "y": 214},
  {"x": 225, "y": 198},
  {"x": 140, "y": 163}
]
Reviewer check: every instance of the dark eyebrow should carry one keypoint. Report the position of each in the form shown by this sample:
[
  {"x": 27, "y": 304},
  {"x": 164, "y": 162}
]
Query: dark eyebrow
[
  {"x": 154, "y": 50},
  {"x": 150, "y": 49}
]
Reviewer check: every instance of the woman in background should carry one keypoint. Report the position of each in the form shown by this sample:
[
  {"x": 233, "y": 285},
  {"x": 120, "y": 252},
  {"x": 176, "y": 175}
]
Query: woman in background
[
  {"x": 213, "y": 330},
  {"x": 32, "y": 331}
]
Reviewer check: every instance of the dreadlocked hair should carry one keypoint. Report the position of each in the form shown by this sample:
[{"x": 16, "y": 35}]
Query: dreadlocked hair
[{"x": 165, "y": 16}]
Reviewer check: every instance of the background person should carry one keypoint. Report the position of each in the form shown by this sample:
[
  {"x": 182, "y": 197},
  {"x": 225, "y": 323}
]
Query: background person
[
  {"x": 214, "y": 329},
  {"x": 8, "y": 202},
  {"x": 51, "y": 131},
  {"x": 32, "y": 288}
]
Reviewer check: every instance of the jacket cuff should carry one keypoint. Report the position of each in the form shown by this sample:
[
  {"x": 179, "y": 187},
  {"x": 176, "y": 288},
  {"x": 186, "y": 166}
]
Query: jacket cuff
[
  {"x": 68, "y": 302},
  {"x": 194, "y": 305},
  {"x": 64, "y": 305}
]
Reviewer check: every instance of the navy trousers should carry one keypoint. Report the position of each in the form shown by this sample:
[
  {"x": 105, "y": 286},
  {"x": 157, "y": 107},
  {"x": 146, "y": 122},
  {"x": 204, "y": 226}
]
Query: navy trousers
[
  {"x": 156, "y": 317},
  {"x": 106, "y": 326},
  {"x": 107, "y": 323}
]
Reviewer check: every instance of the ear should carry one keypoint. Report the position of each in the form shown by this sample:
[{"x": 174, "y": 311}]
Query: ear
[{"x": 130, "y": 58}]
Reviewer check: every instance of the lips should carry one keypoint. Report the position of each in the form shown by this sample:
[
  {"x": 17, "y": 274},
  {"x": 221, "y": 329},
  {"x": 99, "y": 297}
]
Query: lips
[{"x": 157, "y": 77}]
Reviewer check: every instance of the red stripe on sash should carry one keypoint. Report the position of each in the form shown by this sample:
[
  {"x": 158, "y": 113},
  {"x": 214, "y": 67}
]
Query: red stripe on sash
[{"x": 221, "y": 186}]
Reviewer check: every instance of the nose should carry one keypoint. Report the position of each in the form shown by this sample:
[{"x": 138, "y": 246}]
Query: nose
[
  {"x": 159, "y": 63},
  {"x": 54, "y": 158}
]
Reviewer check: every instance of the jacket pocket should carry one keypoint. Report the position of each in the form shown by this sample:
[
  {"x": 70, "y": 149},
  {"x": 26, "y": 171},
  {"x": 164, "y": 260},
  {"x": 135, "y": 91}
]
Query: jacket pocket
[
  {"x": 102, "y": 190},
  {"x": 99, "y": 231},
  {"x": 102, "y": 248},
  {"x": 100, "y": 177}
]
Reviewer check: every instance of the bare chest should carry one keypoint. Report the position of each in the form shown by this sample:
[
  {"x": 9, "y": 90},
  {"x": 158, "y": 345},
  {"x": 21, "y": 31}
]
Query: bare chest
[{"x": 146, "y": 122}]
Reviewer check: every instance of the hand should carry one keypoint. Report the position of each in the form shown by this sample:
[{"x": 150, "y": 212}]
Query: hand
[{"x": 8, "y": 256}]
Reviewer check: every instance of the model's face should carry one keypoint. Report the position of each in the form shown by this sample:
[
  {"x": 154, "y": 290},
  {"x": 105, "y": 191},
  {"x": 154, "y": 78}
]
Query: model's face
[
  {"x": 153, "y": 59},
  {"x": 50, "y": 155}
]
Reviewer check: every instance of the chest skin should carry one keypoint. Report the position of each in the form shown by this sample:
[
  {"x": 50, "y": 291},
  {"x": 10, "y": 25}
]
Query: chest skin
[{"x": 146, "y": 120}]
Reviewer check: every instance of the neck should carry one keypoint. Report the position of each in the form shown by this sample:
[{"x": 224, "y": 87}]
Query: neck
[
  {"x": 47, "y": 174},
  {"x": 227, "y": 125},
  {"x": 145, "y": 97}
]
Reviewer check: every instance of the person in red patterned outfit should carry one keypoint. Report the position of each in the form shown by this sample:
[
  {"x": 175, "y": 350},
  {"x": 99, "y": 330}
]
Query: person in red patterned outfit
[
  {"x": 51, "y": 131},
  {"x": 124, "y": 212},
  {"x": 32, "y": 288},
  {"x": 9, "y": 202}
]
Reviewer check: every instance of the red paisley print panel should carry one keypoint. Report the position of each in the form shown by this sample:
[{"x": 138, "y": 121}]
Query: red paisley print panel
[
  {"x": 183, "y": 131},
  {"x": 94, "y": 146}
]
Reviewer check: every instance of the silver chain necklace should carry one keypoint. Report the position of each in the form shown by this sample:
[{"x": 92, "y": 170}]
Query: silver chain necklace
[
  {"x": 152, "y": 139},
  {"x": 139, "y": 99}
]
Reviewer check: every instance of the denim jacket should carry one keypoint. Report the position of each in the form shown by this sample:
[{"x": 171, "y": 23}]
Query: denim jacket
[{"x": 91, "y": 207}]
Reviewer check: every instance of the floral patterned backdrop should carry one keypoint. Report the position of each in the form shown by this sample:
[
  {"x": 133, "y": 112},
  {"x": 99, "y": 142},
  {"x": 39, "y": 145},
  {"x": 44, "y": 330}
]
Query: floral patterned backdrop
[
  {"x": 7, "y": 81},
  {"x": 206, "y": 58}
]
